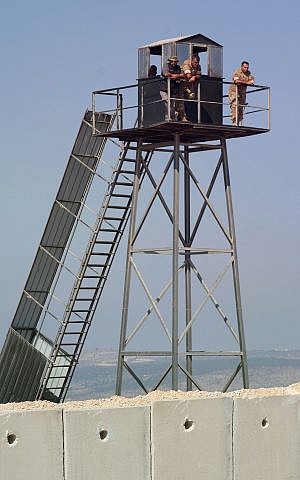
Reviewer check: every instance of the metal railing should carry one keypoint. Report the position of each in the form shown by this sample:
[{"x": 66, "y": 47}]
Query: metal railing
[{"x": 154, "y": 101}]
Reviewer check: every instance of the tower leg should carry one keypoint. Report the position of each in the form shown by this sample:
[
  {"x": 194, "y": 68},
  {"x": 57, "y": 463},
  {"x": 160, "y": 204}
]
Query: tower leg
[
  {"x": 126, "y": 294},
  {"x": 187, "y": 267},
  {"x": 235, "y": 269},
  {"x": 175, "y": 255}
]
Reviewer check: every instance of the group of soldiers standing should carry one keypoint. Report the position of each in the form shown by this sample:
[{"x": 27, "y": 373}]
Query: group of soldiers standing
[{"x": 184, "y": 85}]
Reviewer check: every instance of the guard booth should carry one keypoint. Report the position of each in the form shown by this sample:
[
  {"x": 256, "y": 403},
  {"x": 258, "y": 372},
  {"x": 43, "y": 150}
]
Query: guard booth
[{"x": 207, "y": 108}]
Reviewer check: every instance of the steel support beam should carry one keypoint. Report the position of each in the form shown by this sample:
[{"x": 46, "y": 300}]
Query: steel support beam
[{"x": 184, "y": 249}]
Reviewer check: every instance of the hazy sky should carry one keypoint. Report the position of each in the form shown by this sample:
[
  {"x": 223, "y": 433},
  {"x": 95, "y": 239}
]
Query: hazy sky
[{"x": 53, "y": 54}]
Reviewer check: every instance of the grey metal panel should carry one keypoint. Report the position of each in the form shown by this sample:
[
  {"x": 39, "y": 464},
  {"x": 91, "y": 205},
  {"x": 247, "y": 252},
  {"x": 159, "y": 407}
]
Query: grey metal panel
[
  {"x": 71, "y": 193},
  {"x": 21, "y": 369}
]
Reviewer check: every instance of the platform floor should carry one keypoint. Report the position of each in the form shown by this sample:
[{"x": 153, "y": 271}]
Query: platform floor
[{"x": 189, "y": 132}]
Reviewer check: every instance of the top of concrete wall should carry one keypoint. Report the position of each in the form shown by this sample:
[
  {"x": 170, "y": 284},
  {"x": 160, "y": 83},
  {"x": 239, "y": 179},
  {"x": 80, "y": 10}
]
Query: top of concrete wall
[{"x": 121, "y": 402}]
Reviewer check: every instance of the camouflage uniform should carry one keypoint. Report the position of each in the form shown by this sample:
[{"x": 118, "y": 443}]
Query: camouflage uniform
[
  {"x": 240, "y": 89},
  {"x": 188, "y": 90},
  {"x": 174, "y": 90}
]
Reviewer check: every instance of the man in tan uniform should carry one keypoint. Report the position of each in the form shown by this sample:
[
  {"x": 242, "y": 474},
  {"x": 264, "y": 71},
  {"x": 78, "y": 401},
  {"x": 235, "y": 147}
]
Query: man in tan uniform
[
  {"x": 189, "y": 88},
  {"x": 237, "y": 92}
]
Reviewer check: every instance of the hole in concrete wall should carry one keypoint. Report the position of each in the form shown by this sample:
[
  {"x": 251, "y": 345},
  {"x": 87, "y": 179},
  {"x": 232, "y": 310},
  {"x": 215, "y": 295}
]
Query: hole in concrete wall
[
  {"x": 11, "y": 438},
  {"x": 103, "y": 434},
  {"x": 188, "y": 424},
  {"x": 265, "y": 422}
]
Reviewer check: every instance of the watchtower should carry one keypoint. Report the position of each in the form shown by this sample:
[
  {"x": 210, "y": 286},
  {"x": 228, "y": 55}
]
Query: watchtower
[
  {"x": 178, "y": 292},
  {"x": 169, "y": 182}
]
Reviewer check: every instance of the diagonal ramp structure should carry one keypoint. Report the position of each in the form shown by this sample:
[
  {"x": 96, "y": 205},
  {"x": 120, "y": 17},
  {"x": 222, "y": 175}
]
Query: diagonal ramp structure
[{"x": 44, "y": 342}]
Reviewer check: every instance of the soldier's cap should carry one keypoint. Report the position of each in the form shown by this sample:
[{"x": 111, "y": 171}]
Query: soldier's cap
[{"x": 173, "y": 59}]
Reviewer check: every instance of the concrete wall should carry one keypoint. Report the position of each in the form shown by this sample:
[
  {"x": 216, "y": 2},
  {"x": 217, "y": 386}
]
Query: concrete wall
[{"x": 221, "y": 438}]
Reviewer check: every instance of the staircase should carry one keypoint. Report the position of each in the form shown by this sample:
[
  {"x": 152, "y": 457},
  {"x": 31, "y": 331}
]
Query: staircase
[{"x": 88, "y": 287}]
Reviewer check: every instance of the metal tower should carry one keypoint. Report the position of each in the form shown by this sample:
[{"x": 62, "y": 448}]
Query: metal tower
[
  {"x": 171, "y": 180},
  {"x": 176, "y": 294}
]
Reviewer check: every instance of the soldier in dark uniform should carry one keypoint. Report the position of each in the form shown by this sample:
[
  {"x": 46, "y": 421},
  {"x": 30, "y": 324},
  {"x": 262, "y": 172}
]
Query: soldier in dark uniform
[
  {"x": 152, "y": 72},
  {"x": 173, "y": 71}
]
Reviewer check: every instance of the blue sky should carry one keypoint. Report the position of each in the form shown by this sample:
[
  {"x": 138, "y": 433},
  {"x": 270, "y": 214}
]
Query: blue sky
[{"x": 53, "y": 54}]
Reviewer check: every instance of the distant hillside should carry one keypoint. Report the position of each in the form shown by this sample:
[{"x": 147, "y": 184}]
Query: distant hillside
[{"x": 96, "y": 373}]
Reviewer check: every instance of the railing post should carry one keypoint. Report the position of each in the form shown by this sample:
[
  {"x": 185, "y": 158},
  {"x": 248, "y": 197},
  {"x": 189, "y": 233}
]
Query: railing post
[
  {"x": 199, "y": 102},
  {"x": 269, "y": 106},
  {"x": 142, "y": 105},
  {"x": 118, "y": 109},
  {"x": 236, "y": 105},
  {"x": 169, "y": 99},
  {"x": 93, "y": 113}
]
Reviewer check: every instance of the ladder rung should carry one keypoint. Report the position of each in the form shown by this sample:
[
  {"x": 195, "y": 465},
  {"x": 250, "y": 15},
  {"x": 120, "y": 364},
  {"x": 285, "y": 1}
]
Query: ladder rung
[
  {"x": 120, "y": 207},
  {"x": 124, "y": 184},
  {"x": 77, "y": 311},
  {"x": 130, "y": 160},
  {"x": 94, "y": 276},
  {"x": 110, "y": 230},
  {"x": 100, "y": 253},
  {"x": 96, "y": 264},
  {"x": 73, "y": 333},
  {"x": 113, "y": 218},
  {"x": 104, "y": 242},
  {"x": 76, "y": 321},
  {"x": 88, "y": 288},
  {"x": 126, "y": 171},
  {"x": 84, "y": 299},
  {"x": 121, "y": 195}
]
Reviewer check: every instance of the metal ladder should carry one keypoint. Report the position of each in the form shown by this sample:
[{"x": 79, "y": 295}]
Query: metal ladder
[{"x": 91, "y": 278}]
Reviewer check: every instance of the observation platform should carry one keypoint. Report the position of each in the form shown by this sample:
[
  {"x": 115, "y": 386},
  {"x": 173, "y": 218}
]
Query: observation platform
[{"x": 189, "y": 132}]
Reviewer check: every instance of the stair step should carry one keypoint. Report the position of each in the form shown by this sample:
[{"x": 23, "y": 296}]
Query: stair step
[
  {"x": 76, "y": 321},
  {"x": 96, "y": 264},
  {"x": 131, "y": 172},
  {"x": 118, "y": 207},
  {"x": 79, "y": 311},
  {"x": 87, "y": 288},
  {"x": 104, "y": 242},
  {"x": 73, "y": 333},
  {"x": 94, "y": 276},
  {"x": 121, "y": 195},
  {"x": 100, "y": 253},
  {"x": 84, "y": 299},
  {"x": 123, "y": 184}
]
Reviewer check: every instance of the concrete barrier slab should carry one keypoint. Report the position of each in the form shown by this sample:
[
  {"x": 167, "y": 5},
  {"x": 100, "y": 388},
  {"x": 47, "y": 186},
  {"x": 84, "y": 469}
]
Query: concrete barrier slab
[
  {"x": 108, "y": 444},
  {"x": 266, "y": 438},
  {"x": 31, "y": 445},
  {"x": 192, "y": 439}
]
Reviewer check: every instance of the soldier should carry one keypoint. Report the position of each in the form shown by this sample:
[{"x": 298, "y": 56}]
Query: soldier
[
  {"x": 152, "y": 72},
  {"x": 241, "y": 78},
  {"x": 173, "y": 71},
  {"x": 192, "y": 73}
]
